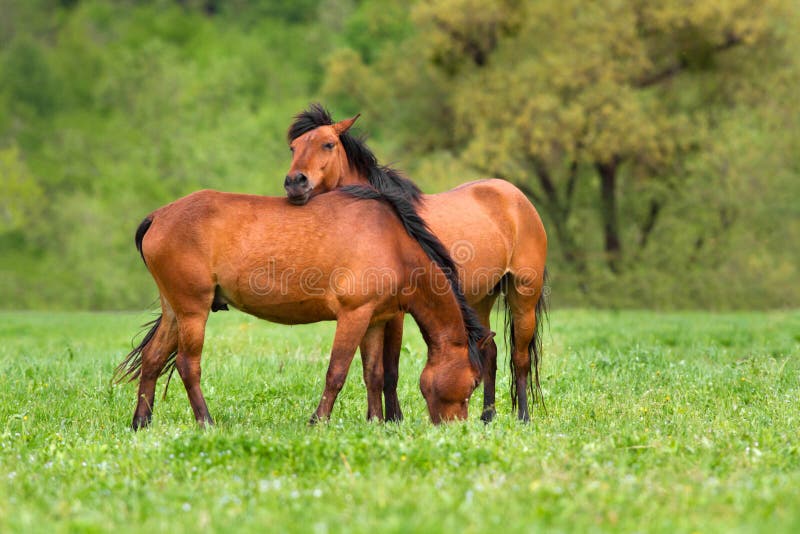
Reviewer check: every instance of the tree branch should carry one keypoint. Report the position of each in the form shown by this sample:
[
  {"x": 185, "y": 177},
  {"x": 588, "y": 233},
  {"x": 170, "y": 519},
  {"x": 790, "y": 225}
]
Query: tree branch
[
  {"x": 650, "y": 222},
  {"x": 673, "y": 70},
  {"x": 545, "y": 179},
  {"x": 572, "y": 179}
]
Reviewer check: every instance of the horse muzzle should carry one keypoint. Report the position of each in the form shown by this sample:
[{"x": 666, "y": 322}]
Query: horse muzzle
[{"x": 298, "y": 189}]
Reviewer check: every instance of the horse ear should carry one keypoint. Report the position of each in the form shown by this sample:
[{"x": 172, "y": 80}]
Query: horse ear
[
  {"x": 485, "y": 340},
  {"x": 342, "y": 126}
]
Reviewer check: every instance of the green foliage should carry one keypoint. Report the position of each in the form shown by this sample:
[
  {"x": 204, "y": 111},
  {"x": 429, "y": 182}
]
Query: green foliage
[
  {"x": 658, "y": 140},
  {"x": 376, "y": 24},
  {"x": 131, "y": 108},
  {"x": 639, "y": 130},
  {"x": 20, "y": 195},
  {"x": 27, "y": 79},
  {"x": 675, "y": 422}
]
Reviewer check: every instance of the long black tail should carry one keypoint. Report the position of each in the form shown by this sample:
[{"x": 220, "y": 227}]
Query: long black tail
[
  {"x": 144, "y": 226},
  {"x": 534, "y": 347},
  {"x": 131, "y": 367},
  {"x": 418, "y": 229}
]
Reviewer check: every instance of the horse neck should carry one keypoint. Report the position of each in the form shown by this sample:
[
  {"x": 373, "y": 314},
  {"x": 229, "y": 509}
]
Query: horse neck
[
  {"x": 349, "y": 175},
  {"x": 438, "y": 315}
]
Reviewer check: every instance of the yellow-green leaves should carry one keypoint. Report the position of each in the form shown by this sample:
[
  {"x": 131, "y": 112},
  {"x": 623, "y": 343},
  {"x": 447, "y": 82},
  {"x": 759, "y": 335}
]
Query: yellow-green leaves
[{"x": 20, "y": 195}]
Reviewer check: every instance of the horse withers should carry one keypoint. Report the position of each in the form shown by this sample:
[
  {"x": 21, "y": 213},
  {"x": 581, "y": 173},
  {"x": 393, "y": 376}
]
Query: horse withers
[{"x": 296, "y": 265}]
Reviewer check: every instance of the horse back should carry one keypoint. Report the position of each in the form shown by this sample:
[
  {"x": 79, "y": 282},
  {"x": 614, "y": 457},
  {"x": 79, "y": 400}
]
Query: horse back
[{"x": 488, "y": 226}]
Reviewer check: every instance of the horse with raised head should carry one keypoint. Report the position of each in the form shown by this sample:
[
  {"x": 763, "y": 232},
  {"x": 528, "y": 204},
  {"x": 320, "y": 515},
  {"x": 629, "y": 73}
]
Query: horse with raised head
[
  {"x": 490, "y": 227},
  {"x": 296, "y": 265}
]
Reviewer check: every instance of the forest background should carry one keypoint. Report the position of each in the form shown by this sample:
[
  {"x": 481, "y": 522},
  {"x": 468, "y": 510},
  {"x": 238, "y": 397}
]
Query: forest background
[{"x": 660, "y": 141}]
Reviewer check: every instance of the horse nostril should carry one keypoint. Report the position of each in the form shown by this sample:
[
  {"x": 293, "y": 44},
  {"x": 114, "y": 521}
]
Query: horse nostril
[
  {"x": 288, "y": 181},
  {"x": 301, "y": 179}
]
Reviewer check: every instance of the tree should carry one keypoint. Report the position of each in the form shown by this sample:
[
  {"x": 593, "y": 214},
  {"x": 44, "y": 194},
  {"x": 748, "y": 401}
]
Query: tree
[{"x": 561, "y": 96}]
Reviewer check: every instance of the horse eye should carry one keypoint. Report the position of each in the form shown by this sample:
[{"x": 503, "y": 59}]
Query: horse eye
[
  {"x": 291, "y": 149},
  {"x": 328, "y": 146}
]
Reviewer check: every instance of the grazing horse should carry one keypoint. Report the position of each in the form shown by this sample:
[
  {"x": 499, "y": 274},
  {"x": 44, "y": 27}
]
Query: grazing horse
[
  {"x": 295, "y": 265},
  {"x": 490, "y": 227}
]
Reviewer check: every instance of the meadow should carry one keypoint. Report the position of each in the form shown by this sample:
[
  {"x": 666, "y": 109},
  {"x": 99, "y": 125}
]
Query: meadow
[{"x": 658, "y": 422}]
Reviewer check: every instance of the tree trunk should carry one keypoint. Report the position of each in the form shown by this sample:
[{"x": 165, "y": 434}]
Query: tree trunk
[
  {"x": 559, "y": 209},
  {"x": 608, "y": 206}
]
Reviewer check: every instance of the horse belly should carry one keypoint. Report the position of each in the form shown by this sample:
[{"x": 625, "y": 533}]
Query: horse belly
[
  {"x": 287, "y": 311},
  {"x": 279, "y": 299}
]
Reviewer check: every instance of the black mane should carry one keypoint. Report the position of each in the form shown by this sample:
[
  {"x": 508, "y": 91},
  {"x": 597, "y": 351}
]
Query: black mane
[
  {"x": 418, "y": 229},
  {"x": 383, "y": 178}
]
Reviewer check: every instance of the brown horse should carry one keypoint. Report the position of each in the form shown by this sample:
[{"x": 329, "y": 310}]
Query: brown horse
[
  {"x": 489, "y": 226},
  {"x": 294, "y": 265}
]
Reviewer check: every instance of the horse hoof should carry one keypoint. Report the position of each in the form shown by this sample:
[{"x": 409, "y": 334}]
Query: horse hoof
[
  {"x": 140, "y": 422},
  {"x": 488, "y": 415},
  {"x": 206, "y": 423},
  {"x": 394, "y": 413}
]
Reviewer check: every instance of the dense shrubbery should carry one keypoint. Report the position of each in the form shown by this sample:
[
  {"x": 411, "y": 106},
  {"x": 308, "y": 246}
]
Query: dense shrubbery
[{"x": 110, "y": 109}]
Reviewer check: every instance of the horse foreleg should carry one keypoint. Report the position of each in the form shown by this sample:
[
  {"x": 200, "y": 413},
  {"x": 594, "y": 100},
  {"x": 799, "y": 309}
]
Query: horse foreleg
[
  {"x": 392, "y": 345},
  {"x": 372, "y": 360},
  {"x": 489, "y": 353},
  {"x": 351, "y": 327},
  {"x": 489, "y": 357},
  {"x": 191, "y": 331}
]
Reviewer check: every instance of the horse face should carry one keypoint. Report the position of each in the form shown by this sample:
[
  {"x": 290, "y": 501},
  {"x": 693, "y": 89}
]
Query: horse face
[
  {"x": 447, "y": 390},
  {"x": 318, "y": 162}
]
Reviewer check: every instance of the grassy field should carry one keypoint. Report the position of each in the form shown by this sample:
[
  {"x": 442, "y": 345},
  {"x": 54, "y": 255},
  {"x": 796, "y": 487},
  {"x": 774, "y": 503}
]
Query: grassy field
[{"x": 656, "y": 422}]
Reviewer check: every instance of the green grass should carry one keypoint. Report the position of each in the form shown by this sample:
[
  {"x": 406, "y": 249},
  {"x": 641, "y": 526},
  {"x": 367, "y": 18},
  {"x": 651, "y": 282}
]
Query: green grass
[{"x": 656, "y": 422}]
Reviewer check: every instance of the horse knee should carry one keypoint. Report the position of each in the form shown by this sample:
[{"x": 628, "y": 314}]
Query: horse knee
[
  {"x": 335, "y": 381},
  {"x": 489, "y": 355}
]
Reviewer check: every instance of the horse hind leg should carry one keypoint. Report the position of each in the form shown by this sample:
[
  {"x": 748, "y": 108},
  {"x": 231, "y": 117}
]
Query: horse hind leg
[
  {"x": 155, "y": 355},
  {"x": 372, "y": 360},
  {"x": 191, "y": 333},
  {"x": 154, "y": 351},
  {"x": 522, "y": 297}
]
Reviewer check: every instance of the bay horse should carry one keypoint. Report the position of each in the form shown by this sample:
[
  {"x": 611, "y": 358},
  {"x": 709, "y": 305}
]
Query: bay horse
[
  {"x": 490, "y": 227},
  {"x": 296, "y": 265}
]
